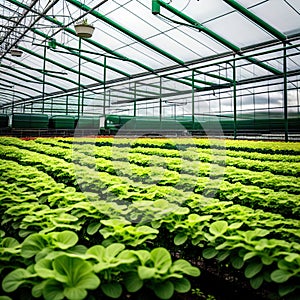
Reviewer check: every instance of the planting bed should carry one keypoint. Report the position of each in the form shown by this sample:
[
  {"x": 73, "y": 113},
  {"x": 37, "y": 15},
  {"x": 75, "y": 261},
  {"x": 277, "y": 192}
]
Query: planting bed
[{"x": 149, "y": 219}]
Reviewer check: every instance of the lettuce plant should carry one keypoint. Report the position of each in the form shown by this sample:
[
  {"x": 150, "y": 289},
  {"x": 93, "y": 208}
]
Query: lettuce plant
[
  {"x": 121, "y": 230},
  {"x": 159, "y": 273},
  {"x": 63, "y": 277}
]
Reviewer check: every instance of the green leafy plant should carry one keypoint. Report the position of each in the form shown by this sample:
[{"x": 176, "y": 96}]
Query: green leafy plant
[
  {"x": 161, "y": 275},
  {"x": 121, "y": 230},
  {"x": 64, "y": 277}
]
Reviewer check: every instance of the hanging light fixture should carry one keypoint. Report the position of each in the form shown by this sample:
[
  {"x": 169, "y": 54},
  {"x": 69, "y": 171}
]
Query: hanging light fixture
[
  {"x": 83, "y": 29},
  {"x": 16, "y": 52}
]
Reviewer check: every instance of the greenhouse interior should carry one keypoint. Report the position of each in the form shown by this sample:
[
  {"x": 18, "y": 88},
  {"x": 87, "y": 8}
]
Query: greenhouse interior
[{"x": 150, "y": 149}]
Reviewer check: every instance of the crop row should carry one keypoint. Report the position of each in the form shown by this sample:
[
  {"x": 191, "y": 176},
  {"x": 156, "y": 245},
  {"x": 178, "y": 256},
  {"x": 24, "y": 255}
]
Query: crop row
[
  {"x": 207, "y": 148},
  {"x": 250, "y": 161},
  {"x": 53, "y": 262},
  {"x": 280, "y": 168},
  {"x": 141, "y": 202},
  {"x": 232, "y": 174},
  {"x": 252, "y": 196},
  {"x": 119, "y": 187},
  {"x": 274, "y": 148},
  {"x": 215, "y": 226},
  {"x": 140, "y": 205}
]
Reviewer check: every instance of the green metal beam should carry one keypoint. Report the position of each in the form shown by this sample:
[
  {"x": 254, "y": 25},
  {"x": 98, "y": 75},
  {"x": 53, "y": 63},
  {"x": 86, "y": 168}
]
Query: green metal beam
[
  {"x": 58, "y": 64},
  {"x": 155, "y": 86},
  {"x": 137, "y": 92},
  {"x": 263, "y": 65},
  {"x": 214, "y": 76},
  {"x": 155, "y": 7},
  {"x": 160, "y": 99},
  {"x": 104, "y": 87},
  {"x": 126, "y": 31},
  {"x": 134, "y": 103},
  {"x": 41, "y": 71},
  {"x": 215, "y": 36},
  {"x": 184, "y": 82},
  {"x": 244, "y": 11},
  {"x": 30, "y": 76},
  {"x": 199, "y": 81},
  {"x": 6, "y": 85},
  {"x": 82, "y": 56}
]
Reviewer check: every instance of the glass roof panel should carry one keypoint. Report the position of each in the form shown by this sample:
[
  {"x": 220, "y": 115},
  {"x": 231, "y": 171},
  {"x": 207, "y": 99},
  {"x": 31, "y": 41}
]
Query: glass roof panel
[
  {"x": 158, "y": 42},
  {"x": 280, "y": 14},
  {"x": 201, "y": 10},
  {"x": 136, "y": 14},
  {"x": 176, "y": 40},
  {"x": 237, "y": 29}
]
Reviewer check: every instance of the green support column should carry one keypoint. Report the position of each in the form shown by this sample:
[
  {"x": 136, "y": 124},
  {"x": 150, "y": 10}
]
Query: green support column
[
  {"x": 44, "y": 77},
  {"x": 104, "y": 87},
  {"x": 285, "y": 95},
  {"x": 175, "y": 105},
  {"x": 79, "y": 71},
  {"x": 109, "y": 96},
  {"x": 134, "y": 103},
  {"x": 234, "y": 97},
  {"x": 160, "y": 100},
  {"x": 82, "y": 102},
  {"x": 193, "y": 97},
  {"x": 67, "y": 104}
]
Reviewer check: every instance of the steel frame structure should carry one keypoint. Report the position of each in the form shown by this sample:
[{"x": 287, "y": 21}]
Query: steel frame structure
[{"x": 265, "y": 63}]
